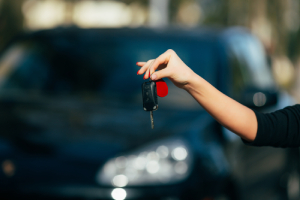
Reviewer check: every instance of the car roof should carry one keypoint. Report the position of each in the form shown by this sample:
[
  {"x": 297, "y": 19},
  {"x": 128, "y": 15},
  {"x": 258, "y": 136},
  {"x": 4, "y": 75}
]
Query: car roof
[{"x": 173, "y": 32}]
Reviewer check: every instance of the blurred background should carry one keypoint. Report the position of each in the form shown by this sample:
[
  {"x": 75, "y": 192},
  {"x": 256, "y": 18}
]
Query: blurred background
[
  {"x": 68, "y": 116},
  {"x": 275, "y": 23}
]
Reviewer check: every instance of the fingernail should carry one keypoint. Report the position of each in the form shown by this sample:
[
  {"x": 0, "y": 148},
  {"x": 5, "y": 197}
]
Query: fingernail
[
  {"x": 153, "y": 77},
  {"x": 137, "y": 63},
  {"x": 144, "y": 78},
  {"x": 138, "y": 72},
  {"x": 149, "y": 74}
]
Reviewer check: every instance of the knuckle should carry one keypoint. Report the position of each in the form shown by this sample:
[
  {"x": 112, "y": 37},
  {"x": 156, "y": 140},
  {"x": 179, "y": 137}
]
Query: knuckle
[{"x": 170, "y": 51}]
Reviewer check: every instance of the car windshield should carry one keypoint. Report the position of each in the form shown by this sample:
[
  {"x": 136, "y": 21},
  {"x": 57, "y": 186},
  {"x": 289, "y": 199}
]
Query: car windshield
[
  {"x": 98, "y": 65},
  {"x": 250, "y": 53}
]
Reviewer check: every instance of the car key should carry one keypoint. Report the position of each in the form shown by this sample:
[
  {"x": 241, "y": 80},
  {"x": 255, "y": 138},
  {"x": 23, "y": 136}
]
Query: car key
[{"x": 150, "y": 102}]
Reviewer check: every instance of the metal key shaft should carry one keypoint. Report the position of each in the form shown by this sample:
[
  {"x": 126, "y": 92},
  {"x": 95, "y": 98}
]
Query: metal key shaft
[{"x": 151, "y": 119}]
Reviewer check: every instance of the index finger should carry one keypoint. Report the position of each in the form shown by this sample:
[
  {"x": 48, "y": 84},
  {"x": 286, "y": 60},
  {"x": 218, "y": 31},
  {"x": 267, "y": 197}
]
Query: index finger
[{"x": 162, "y": 59}]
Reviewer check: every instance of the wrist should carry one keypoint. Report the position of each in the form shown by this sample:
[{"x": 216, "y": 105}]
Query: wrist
[{"x": 194, "y": 82}]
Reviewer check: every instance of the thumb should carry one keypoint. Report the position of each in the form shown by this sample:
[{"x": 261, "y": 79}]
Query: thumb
[{"x": 159, "y": 74}]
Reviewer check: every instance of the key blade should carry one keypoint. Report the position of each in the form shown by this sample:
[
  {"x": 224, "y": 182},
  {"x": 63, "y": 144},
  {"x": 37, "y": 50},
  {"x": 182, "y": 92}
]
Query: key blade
[{"x": 151, "y": 119}]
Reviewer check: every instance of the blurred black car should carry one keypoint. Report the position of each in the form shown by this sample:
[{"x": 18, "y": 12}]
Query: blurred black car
[{"x": 73, "y": 126}]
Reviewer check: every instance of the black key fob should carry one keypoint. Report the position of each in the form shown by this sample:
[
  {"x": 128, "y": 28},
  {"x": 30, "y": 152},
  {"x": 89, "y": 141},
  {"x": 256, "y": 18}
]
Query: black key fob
[{"x": 150, "y": 102}]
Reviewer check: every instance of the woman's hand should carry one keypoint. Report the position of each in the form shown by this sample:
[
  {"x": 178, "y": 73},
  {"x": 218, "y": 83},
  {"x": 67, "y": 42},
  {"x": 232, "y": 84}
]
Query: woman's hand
[
  {"x": 169, "y": 65},
  {"x": 228, "y": 112}
]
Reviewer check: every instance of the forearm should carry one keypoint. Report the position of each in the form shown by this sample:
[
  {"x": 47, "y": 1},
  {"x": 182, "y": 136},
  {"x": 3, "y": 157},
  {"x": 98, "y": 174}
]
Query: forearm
[{"x": 228, "y": 112}]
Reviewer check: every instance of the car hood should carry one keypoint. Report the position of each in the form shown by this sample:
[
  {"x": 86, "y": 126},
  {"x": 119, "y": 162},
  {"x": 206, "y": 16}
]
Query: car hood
[{"x": 90, "y": 130}]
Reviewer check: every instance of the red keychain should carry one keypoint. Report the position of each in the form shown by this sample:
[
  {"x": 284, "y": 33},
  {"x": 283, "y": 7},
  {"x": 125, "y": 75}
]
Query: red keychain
[{"x": 161, "y": 87}]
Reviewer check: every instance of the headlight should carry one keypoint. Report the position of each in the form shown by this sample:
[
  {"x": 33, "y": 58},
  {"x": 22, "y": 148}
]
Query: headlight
[{"x": 166, "y": 162}]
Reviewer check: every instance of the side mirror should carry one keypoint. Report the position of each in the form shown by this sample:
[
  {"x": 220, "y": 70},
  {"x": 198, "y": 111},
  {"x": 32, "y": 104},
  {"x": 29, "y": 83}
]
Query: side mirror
[{"x": 257, "y": 98}]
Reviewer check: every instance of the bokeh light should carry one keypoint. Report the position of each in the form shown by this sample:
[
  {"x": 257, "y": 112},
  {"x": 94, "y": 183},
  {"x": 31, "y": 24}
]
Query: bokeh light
[
  {"x": 88, "y": 14},
  {"x": 179, "y": 153},
  {"x": 120, "y": 180},
  {"x": 118, "y": 194},
  {"x": 43, "y": 14}
]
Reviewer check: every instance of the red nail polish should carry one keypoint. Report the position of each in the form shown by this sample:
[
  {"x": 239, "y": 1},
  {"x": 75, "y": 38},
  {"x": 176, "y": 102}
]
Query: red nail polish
[
  {"x": 149, "y": 74},
  {"x": 144, "y": 77},
  {"x": 137, "y": 63},
  {"x": 138, "y": 72}
]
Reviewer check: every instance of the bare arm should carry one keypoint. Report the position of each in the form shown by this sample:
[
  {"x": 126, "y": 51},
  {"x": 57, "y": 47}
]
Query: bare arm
[
  {"x": 231, "y": 114},
  {"x": 228, "y": 112}
]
